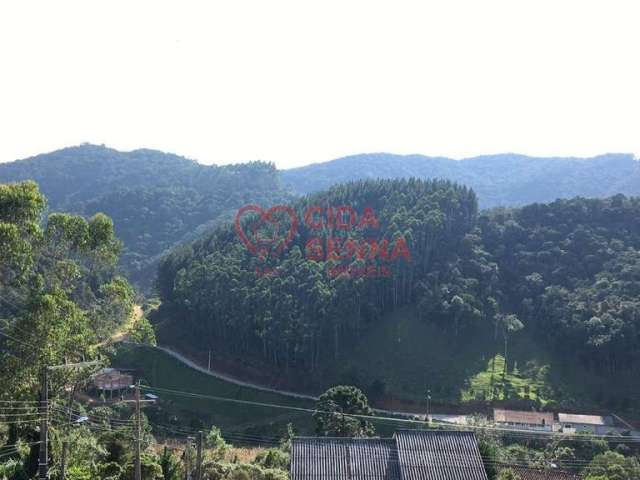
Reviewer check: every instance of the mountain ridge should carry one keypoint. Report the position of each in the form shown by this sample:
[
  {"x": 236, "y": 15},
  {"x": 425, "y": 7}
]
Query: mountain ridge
[
  {"x": 156, "y": 199},
  {"x": 159, "y": 200},
  {"x": 499, "y": 180}
]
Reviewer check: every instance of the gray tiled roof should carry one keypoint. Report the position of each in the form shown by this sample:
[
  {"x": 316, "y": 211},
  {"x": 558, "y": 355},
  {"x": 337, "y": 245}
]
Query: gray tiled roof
[
  {"x": 316, "y": 458},
  {"x": 439, "y": 455},
  {"x": 584, "y": 419},
  {"x": 410, "y": 455},
  {"x": 538, "y": 474}
]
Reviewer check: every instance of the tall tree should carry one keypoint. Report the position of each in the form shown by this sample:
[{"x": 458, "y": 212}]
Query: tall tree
[
  {"x": 59, "y": 294},
  {"x": 335, "y": 410},
  {"x": 510, "y": 324}
]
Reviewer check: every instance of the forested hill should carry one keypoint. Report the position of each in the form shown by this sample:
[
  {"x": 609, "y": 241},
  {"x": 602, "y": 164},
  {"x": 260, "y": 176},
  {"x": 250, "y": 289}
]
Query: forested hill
[
  {"x": 498, "y": 180},
  {"x": 567, "y": 273},
  {"x": 155, "y": 199},
  {"x": 296, "y": 309},
  {"x": 158, "y": 200}
]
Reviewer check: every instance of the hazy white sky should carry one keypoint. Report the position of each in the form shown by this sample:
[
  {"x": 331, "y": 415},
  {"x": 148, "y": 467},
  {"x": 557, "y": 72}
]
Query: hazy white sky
[{"x": 296, "y": 82}]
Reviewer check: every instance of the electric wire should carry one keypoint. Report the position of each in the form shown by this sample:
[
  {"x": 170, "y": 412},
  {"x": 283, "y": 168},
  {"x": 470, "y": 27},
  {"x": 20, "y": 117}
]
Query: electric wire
[{"x": 486, "y": 429}]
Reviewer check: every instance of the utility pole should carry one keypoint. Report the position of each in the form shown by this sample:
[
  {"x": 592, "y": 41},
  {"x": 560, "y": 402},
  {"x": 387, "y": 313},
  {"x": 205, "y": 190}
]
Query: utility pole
[
  {"x": 187, "y": 460},
  {"x": 138, "y": 439},
  {"x": 138, "y": 433},
  {"x": 43, "y": 459},
  {"x": 199, "y": 456},
  {"x": 65, "y": 442},
  {"x": 209, "y": 367},
  {"x": 429, "y": 406}
]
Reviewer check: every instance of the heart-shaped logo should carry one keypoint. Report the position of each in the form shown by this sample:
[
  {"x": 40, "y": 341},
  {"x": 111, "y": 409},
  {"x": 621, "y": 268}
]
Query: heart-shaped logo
[{"x": 271, "y": 220}]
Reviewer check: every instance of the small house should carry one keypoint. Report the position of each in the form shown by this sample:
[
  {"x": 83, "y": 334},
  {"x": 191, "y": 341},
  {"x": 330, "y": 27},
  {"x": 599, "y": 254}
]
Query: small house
[{"x": 111, "y": 380}]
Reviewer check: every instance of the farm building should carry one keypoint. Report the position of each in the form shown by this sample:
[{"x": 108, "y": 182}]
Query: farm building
[
  {"x": 111, "y": 380},
  {"x": 525, "y": 473},
  {"x": 572, "y": 423},
  {"x": 525, "y": 420},
  {"x": 409, "y": 455}
]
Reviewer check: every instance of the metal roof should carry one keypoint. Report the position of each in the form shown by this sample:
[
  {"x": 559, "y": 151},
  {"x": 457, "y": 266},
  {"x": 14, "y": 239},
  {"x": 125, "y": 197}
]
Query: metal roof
[
  {"x": 409, "y": 455},
  {"x": 112, "y": 379},
  {"x": 439, "y": 455},
  {"x": 523, "y": 417},
  {"x": 584, "y": 419},
  {"x": 316, "y": 458},
  {"x": 540, "y": 474}
]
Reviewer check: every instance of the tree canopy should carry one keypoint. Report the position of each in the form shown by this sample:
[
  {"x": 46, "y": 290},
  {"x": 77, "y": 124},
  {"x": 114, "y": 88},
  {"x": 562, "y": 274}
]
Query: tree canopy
[
  {"x": 565, "y": 272},
  {"x": 59, "y": 293}
]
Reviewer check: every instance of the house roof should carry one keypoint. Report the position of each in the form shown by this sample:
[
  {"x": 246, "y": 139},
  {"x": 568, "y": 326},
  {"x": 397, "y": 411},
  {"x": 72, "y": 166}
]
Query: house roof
[
  {"x": 316, "y": 458},
  {"x": 584, "y": 419},
  {"x": 439, "y": 455},
  {"x": 540, "y": 474},
  {"x": 111, "y": 379},
  {"x": 523, "y": 417},
  {"x": 409, "y": 455}
]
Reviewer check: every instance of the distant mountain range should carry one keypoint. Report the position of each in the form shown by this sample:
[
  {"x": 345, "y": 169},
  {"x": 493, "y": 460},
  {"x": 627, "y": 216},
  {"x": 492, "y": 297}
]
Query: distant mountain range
[
  {"x": 155, "y": 199},
  {"x": 158, "y": 200},
  {"x": 498, "y": 180}
]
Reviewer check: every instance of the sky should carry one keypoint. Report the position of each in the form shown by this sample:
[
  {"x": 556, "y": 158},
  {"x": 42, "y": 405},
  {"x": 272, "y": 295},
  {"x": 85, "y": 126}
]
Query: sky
[{"x": 297, "y": 82}]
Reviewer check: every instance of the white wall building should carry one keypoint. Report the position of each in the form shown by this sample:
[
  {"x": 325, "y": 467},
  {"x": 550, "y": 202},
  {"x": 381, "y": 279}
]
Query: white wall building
[{"x": 574, "y": 423}]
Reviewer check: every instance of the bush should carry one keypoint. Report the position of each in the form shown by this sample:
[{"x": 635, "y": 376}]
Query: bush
[
  {"x": 216, "y": 442},
  {"x": 142, "y": 332},
  {"x": 273, "y": 458}
]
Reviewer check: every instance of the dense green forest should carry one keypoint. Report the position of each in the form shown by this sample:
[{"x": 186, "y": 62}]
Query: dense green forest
[
  {"x": 565, "y": 272},
  {"x": 506, "y": 180},
  {"x": 156, "y": 200},
  {"x": 559, "y": 275},
  {"x": 571, "y": 269},
  {"x": 301, "y": 314}
]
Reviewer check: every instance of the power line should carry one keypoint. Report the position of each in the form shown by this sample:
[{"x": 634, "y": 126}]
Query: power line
[
  {"x": 272, "y": 441},
  {"x": 17, "y": 422},
  {"x": 24, "y": 414},
  {"x": 15, "y": 327},
  {"x": 36, "y": 402},
  {"x": 20, "y": 444},
  {"x": 8, "y": 302},
  {"x": 486, "y": 429},
  {"x": 30, "y": 345}
]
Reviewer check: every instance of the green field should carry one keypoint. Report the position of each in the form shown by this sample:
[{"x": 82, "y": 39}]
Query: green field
[
  {"x": 159, "y": 369},
  {"x": 410, "y": 355},
  {"x": 240, "y": 423}
]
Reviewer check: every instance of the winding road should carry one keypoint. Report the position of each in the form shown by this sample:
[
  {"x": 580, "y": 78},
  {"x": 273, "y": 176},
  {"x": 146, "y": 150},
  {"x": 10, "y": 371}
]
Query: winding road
[
  {"x": 221, "y": 376},
  {"x": 227, "y": 378}
]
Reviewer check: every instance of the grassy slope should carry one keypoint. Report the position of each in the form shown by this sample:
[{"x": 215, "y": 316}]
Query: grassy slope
[
  {"x": 241, "y": 424},
  {"x": 405, "y": 353},
  {"x": 161, "y": 370},
  {"x": 409, "y": 355}
]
